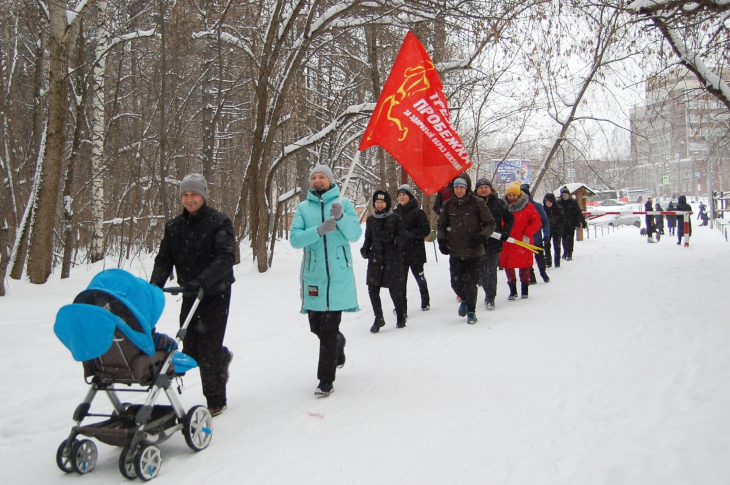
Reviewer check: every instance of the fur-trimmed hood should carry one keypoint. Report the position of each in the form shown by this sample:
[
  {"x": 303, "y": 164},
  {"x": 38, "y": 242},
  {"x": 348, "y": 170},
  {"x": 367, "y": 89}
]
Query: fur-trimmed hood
[{"x": 517, "y": 205}]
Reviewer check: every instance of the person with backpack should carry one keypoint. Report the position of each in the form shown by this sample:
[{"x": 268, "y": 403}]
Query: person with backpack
[
  {"x": 385, "y": 237},
  {"x": 414, "y": 249},
  {"x": 464, "y": 226}
]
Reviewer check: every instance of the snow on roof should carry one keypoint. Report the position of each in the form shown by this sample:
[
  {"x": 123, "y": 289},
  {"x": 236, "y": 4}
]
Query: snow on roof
[{"x": 575, "y": 187}]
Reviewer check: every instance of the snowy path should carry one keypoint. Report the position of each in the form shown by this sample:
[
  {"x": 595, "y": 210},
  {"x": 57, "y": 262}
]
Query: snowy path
[{"x": 616, "y": 372}]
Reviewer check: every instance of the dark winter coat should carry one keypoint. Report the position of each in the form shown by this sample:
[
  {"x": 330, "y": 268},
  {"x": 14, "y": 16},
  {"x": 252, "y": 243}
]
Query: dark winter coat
[
  {"x": 555, "y": 214},
  {"x": 544, "y": 230},
  {"x": 200, "y": 246},
  {"x": 659, "y": 219},
  {"x": 465, "y": 224},
  {"x": 503, "y": 219},
  {"x": 682, "y": 205},
  {"x": 671, "y": 220},
  {"x": 385, "y": 238},
  {"x": 417, "y": 228},
  {"x": 527, "y": 222},
  {"x": 650, "y": 225},
  {"x": 573, "y": 213}
]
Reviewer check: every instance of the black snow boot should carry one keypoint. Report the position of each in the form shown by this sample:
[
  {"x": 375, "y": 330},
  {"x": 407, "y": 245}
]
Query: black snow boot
[
  {"x": 401, "y": 322},
  {"x": 512, "y": 290},
  {"x": 379, "y": 322},
  {"x": 525, "y": 287},
  {"x": 533, "y": 279},
  {"x": 545, "y": 276},
  {"x": 324, "y": 389}
]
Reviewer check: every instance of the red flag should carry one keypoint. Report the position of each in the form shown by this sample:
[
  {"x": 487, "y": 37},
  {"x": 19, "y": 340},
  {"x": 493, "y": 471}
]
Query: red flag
[{"x": 411, "y": 121}]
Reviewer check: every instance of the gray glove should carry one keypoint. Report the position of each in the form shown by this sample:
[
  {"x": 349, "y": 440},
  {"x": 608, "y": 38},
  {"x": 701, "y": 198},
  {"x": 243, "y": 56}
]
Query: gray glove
[
  {"x": 336, "y": 211},
  {"x": 327, "y": 226},
  {"x": 526, "y": 239}
]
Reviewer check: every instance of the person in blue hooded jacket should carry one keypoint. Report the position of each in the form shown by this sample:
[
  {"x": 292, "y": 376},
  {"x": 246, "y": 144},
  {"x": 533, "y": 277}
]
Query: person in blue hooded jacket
[{"x": 325, "y": 226}]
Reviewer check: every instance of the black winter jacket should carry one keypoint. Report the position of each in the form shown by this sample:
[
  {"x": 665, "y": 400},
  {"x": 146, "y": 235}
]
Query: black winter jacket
[
  {"x": 200, "y": 246},
  {"x": 464, "y": 225},
  {"x": 385, "y": 237},
  {"x": 573, "y": 213},
  {"x": 555, "y": 214},
  {"x": 503, "y": 218},
  {"x": 417, "y": 228}
]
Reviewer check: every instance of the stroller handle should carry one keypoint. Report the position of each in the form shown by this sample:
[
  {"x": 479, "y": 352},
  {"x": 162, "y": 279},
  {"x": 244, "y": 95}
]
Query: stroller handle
[{"x": 174, "y": 290}]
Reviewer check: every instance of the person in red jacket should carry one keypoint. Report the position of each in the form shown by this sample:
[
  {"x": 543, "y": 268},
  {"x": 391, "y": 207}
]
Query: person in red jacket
[{"x": 527, "y": 222}]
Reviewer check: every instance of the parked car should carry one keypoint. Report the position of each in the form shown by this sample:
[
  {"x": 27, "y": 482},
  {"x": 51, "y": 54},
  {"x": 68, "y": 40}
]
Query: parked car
[
  {"x": 612, "y": 202},
  {"x": 615, "y": 220}
]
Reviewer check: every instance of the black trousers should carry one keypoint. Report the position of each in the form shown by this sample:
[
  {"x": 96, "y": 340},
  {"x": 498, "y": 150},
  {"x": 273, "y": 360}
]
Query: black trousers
[
  {"x": 488, "y": 273},
  {"x": 568, "y": 240},
  {"x": 417, "y": 271},
  {"x": 556, "y": 240},
  {"x": 464, "y": 279},
  {"x": 326, "y": 326},
  {"x": 204, "y": 343},
  {"x": 398, "y": 295}
]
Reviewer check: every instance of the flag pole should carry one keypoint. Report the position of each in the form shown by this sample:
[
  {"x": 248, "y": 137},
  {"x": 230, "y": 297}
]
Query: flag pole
[{"x": 355, "y": 159}]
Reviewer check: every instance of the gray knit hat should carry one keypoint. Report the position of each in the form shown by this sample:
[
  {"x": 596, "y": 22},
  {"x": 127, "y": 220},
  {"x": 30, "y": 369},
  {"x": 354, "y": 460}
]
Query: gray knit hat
[
  {"x": 406, "y": 189},
  {"x": 325, "y": 170},
  {"x": 194, "y": 182}
]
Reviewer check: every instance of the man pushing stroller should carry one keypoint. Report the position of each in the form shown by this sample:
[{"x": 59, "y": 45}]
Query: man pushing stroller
[{"x": 200, "y": 244}]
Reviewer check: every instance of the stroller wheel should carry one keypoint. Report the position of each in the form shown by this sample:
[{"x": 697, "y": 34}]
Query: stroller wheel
[
  {"x": 147, "y": 462},
  {"x": 83, "y": 456},
  {"x": 198, "y": 428},
  {"x": 126, "y": 464},
  {"x": 63, "y": 457}
]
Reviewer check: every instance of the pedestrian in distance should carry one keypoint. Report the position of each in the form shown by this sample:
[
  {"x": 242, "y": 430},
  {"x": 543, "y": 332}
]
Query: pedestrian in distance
[
  {"x": 650, "y": 224},
  {"x": 671, "y": 219},
  {"x": 682, "y": 205},
  {"x": 573, "y": 220},
  {"x": 700, "y": 210},
  {"x": 540, "y": 234},
  {"x": 414, "y": 250},
  {"x": 324, "y": 225},
  {"x": 515, "y": 257},
  {"x": 556, "y": 216},
  {"x": 200, "y": 245},
  {"x": 464, "y": 225},
  {"x": 385, "y": 237},
  {"x": 503, "y": 218},
  {"x": 659, "y": 221}
]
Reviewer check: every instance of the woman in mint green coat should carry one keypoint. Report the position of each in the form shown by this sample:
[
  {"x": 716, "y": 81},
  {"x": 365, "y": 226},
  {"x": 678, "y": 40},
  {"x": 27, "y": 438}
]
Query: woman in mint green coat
[{"x": 325, "y": 228}]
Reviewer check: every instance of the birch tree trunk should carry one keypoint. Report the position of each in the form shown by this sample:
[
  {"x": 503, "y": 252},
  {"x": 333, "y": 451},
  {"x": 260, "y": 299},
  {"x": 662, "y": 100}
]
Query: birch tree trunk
[{"x": 97, "y": 133}]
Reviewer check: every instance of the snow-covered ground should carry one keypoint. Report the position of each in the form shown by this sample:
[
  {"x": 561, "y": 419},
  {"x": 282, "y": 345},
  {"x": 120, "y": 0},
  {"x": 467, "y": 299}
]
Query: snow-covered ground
[{"x": 616, "y": 372}]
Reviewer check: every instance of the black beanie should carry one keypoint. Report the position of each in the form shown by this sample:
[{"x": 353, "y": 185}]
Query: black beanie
[
  {"x": 384, "y": 196},
  {"x": 526, "y": 189},
  {"x": 483, "y": 181}
]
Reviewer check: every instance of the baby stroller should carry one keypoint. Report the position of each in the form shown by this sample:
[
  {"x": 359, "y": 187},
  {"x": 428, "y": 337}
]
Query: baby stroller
[{"x": 109, "y": 327}]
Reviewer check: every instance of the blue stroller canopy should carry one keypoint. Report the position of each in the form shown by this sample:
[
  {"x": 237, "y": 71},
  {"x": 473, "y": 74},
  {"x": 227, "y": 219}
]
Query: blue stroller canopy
[{"x": 114, "y": 299}]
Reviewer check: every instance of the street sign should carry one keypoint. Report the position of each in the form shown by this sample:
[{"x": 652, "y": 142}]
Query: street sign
[
  {"x": 697, "y": 175},
  {"x": 665, "y": 179}
]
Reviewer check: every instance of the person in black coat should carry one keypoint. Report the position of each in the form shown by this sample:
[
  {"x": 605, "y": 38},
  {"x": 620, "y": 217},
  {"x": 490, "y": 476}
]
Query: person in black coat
[
  {"x": 200, "y": 245},
  {"x": 682, "y": 205},
  {"x": 414, "y": 250},
  {"x": 650, "y": 224},
  {"x": 573, "y": 220},
  {"x": 504, "y": 219},
  {"x": 671, "y": 220},
  {"x": 385, "y": 237},
  {"x": 556, "y": 216},
  {"x": 659, "y": 220}
]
